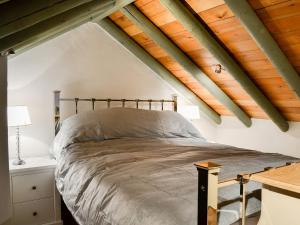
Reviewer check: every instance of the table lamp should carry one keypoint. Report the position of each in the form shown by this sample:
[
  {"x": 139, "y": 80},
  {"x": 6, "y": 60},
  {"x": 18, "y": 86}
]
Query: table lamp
[
  {"x": 18, "y": 116},
  {"x": 190, "y": 112}
]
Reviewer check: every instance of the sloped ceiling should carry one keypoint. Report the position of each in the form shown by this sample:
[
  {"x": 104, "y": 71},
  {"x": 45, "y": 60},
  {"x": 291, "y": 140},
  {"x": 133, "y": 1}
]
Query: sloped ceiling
[{"x": 280, "y": 17}]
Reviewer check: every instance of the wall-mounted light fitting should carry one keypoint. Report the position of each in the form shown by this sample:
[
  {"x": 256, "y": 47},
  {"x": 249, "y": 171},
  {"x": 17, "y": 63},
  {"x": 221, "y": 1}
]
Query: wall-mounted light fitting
[{"x": 218, "y": 68}]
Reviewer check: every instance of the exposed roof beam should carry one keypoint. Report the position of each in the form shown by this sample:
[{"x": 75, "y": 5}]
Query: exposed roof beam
[
  {"x": 195, "y": 27},
  {"x": 265, "y": 41},
  {"x": 175, "y": 52},
  {"x": 36, "y": 17},
  {"x": 159, "y": 69},
  {"x": 61, "y": 23},
  {"x": 3, "y": 1},
  {"x": 27, "y": 45},
  {"x": 16, "y": 9}
]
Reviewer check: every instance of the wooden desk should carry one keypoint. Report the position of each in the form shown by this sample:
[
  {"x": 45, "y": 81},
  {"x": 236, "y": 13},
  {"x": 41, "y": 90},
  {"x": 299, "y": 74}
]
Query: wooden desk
[{"x": 280, "y": 195}]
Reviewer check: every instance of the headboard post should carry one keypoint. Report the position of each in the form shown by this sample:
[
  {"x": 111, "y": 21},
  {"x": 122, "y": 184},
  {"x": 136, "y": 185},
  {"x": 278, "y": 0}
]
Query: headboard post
[
  {"x": 174, "y": 97},
  {"x": 57, "y": 110},
  {"x": 58, "y": 99}
]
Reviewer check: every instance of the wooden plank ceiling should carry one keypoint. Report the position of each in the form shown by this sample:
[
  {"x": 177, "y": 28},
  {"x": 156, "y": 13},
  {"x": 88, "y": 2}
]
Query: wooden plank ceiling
[{"x": 281, "y": 17}]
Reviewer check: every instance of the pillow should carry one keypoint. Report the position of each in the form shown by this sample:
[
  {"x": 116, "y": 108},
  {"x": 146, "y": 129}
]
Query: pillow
[
  {"x": 79, "y": 128},
  {"x": 130, "y": 122},
  {"x": 175, "y": 125},
  {"x": 122, "y": 122}
]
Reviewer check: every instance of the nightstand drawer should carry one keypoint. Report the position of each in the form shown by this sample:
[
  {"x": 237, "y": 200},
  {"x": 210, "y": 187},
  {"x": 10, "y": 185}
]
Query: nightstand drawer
[
  {"x": 32, "y": 186},
  {"x": 34, "y": 212}
]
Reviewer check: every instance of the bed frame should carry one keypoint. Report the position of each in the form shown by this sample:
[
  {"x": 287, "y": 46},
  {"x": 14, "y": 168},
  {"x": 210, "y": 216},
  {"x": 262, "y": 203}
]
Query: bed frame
[
  {"x": 150, "y": 102},
  {"x": 208, "y": 172},
  {"x": 65, "y": 213},
  {"x": 208, "y": 186}
]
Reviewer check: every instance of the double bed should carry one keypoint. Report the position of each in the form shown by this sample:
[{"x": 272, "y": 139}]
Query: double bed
[{"x": 122, "y": 166}]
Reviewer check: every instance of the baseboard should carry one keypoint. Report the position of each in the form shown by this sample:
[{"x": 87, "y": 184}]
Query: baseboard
[
  {"x": 55, "y": 223},
  {"x": 52, "y": 223}
]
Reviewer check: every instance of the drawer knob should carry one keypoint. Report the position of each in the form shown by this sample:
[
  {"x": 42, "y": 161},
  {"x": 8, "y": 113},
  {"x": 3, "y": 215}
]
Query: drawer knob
[
  {"x": 34, "y": 188},
  {"x": 34, "y": 213}
]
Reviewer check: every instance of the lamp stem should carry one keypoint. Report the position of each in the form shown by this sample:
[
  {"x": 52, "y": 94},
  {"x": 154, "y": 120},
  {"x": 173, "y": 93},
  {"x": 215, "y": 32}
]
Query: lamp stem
[
  {"x": 18, "y": 142},
  {"x": 18, "y": 161}
]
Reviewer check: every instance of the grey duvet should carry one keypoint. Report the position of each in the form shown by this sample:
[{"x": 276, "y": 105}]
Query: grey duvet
[{"x": 151, "y": 181}]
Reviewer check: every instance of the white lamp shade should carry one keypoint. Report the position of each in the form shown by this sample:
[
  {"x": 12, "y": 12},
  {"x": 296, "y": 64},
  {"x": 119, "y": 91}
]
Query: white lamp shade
[
  {"x": 18, "y": 116},
  {"x": 190, "y": 112}
]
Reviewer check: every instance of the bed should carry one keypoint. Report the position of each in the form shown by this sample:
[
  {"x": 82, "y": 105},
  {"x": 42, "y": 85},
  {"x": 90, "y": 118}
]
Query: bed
[{"x": 122, "y": 166}]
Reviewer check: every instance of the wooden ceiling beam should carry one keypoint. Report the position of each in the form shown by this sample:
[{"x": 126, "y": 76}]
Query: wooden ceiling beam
[
  {"x": 62, "y": 22},
  {"x": 50, "y": 28},
  {"x": 27, "y": 45},
  {"x": 176, "y": 53},
  {"x": 16, "y": 9},
  {"x": 258, "y": 31},
  {"x": 158, "y": 68},
  {"x": 199, "y": 31},
  {"x": 41, "y": 15},
  {"x": 3, "y": 1}
]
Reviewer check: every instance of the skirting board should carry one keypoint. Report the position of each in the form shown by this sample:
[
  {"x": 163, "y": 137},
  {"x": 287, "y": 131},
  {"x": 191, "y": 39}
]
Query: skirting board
[{"x": 55, "y": 223}]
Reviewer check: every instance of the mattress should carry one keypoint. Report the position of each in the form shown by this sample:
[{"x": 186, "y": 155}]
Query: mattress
[{"x": 152, "y": 181}]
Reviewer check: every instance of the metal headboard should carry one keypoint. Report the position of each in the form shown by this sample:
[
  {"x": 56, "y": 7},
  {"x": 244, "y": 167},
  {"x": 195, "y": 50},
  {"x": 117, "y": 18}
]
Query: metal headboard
[{"x": 58, "y": 99}]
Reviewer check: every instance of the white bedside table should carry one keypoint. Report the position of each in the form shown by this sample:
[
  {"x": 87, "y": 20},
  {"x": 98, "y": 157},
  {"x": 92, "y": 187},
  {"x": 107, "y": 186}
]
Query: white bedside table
[{"x": 35, "y": 200}]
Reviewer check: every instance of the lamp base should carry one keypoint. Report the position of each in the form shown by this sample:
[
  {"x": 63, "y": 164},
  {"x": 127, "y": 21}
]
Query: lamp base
[{"x": 19, "y": 162}]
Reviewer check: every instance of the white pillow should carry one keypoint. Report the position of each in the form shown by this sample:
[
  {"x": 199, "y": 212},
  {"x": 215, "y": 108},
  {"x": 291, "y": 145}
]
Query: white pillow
[
  {"x": 130, "y": 122},
  {"x": 122, "y": 122},
  {"x": 79, "y": 128}
]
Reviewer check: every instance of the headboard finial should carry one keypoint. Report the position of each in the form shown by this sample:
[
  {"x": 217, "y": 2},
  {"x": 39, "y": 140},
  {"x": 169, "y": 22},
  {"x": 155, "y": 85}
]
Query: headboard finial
[
  {"x": 174, "y": 97},
  {"x": 58, "y": 99}
]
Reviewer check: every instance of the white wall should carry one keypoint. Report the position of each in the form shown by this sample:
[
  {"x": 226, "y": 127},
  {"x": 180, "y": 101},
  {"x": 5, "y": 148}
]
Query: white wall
[
  {"x": 264, "y": 135},
  {"x": 87, "y": 62}
]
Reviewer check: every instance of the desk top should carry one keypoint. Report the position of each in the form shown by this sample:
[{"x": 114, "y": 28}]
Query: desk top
[{"x": 287, "y": 178}]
